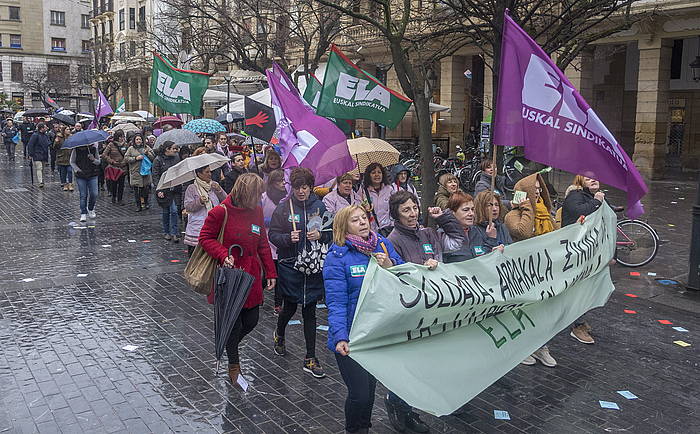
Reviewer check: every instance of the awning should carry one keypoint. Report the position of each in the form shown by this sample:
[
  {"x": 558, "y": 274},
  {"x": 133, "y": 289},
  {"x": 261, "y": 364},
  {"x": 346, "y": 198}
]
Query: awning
[
  {"x": 239, "y": 106},
  {"x": 213, "y": 95}
]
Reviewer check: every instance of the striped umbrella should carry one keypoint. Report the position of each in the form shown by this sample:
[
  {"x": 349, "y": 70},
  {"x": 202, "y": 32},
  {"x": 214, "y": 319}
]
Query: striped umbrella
[{"x": 208, "y": 126}]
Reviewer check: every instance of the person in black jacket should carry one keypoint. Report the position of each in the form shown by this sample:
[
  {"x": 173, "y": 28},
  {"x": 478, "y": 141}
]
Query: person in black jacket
[
  {"x": 26, "y": 130},
  {"x": 168, "y": 198},
  {"x": 238, "y": 168},
  {"x": 583, "y": 197},
  {"x": 294, "y": 229},
  {"x": 51, "y": 134},
  {"x": 8, "y": 133},
  {"x": 85, "y": 161},
  {"x": 38, "y": 149}
]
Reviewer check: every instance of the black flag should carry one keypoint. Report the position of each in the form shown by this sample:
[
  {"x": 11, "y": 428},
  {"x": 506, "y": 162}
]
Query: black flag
[{"x": 259, "y": 120}]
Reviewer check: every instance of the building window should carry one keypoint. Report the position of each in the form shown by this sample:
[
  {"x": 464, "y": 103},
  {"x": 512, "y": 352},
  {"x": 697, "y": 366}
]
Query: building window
[
  {"x": 15, "y": 41},
  {"x": 676, "y": 59},
  {"x": 132, "y": 48},
  {"x": 0, "y": 71},
  {"x": 86, "y": 46},
  {"x": 58, "y": 72},
  {"x": 121, "y": 19},
  {"x": 14, "y": 13},
  {"x": 58, "y": 18},
  {"x": 16, "y": 72},
  {"x": 84, "y": 21},
  {"x": 18, "y": 98},
  {"x": 132, "y": 18},
  {"x": 58, "y": 44},
  {"x": 142, "y": 19},
  {"x": 84, "y": 74},
  {"x": 122, "y": 51}
]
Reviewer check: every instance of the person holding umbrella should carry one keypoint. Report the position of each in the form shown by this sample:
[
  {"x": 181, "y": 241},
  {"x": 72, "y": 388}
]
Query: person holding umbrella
[
  {"x": 139, "y": 179},
  {"x": 85, "y": 161},
  {"x": 200, "y": 197},
  {"x": 38, "y": 148},
  {"x": 168, "y": 198},
  {"x": 65, "y": 171},
  {"x": 115, "y": 172},
  {"x": 245, "y": 228},
  {"x": 9, "y": 132}
]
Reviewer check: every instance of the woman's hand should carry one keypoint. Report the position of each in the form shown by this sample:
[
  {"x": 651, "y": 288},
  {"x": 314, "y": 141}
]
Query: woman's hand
[
  {"x": 499, "y": 247},
  {"x": 431, "y": 264},
  {"x": 202, "y": 200},
  {"x": 342, "y": 348},
  {"x": 295, "y": 236},
  {"x": 314, "y": 235},
  {"x": 434, "y": 211},
  {"x": 491, "y": 231},
  {"x": 230, "y": 261},
  {"x": 139, "y": 158},
  {"x": 383, "y": 260},
  {"x": 599, "y": 196},
  {"x": 215, "y": 186},
  {"x": 161, "y": 194},
  {"x": 270, "y": 284}
]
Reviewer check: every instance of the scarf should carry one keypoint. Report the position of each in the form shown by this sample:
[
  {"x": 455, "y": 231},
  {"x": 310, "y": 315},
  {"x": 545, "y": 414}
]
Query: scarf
[
  {"x": 203, "y": 188},
  {"x": 543, "y": 221},
  {"x": 363, "y": 246}
]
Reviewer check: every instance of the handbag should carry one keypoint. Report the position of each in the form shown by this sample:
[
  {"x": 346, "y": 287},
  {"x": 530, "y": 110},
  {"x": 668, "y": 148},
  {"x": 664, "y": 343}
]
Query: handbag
[
  {"x": 201, "y": 268},
  {"x": 113, "y": 173},
  {"x": 146, "y": 165}
]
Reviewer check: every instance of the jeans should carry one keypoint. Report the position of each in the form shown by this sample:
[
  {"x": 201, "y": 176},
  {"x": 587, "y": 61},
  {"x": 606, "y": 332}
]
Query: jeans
[
  {"x": 88, "y": 193},
  {"x": 10, "y": 148},
  {"x": 308, "y": 313},
  {"x": 170, "y": 218},
  {"x": 360, "y": 400},
  {"x": 245, "y": 323},
  {"x": 39, "y": 170},
  {"x": 401, "y": 405},
  {"x": 65, "y": 173}
]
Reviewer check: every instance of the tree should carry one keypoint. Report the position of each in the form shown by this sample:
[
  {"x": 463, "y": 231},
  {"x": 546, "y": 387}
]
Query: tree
[
  {"x": 418, "y": 37},
  {"x": 8, "y": 103}
]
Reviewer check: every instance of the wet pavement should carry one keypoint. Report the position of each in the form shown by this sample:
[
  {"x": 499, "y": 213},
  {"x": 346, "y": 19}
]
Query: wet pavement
[{"x": 72, "y": 299}]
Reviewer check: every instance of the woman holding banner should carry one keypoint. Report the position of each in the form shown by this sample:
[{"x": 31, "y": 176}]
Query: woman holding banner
[{"x": 343, "y": 273}]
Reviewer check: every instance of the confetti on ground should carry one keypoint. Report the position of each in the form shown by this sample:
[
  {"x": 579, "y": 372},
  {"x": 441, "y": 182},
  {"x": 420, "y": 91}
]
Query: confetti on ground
[
  {"x": 82, "y": 275},
  {"x": 242, "y": 382},
  {"x": 91, "y": 227},
  {"x": 627, "y": 394},
  {"x": 501, "y": 415},
  {"x": 129, "y": 347},
  {"x": 323, "y": 328},
  {"x": 146, "y": 241},
  {"x": 680, "y": 329},
  {"x": 673, "y": 202},
  {"x": 671, "y": 226},
  {"x": 681, "y": 198},
  {"x": 667, "y": 282},
  {"x": 682, "y": 343},
  {"x": 635, "y": 273},
  {"x": 321, "y": 306},
  {"x": 665, "y": 321},
  {"x": 131, "y": 241},
  {"x": 651, "y": 274},
  {"x": 29, "y": 279},
  {"x": 79, "y": 227},
  {"x": 630, "y": 311},
  {"x": 174, "y": 260},
  {"x": 631, "y": 295},
  {"x": 106, "y": 245},
  {"x": 610, "y": 405},
  {"x": 294, "y": 322}
]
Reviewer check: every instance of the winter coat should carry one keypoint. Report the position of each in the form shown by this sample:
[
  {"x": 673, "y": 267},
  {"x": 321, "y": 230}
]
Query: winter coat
[
  {"x": 296, "y": 286},
  {"x": 26, "y": 130},
  {"x": 231, "y": 177},
  {"x": 81, "y": 164},
  {"x": 38, "y": 147},
  {"x": 62, "y": 155},
  {"x": 114, "y": 153},
  {"x": 380, "y": 204},
  {"x": 245, "y": 228},
  {"x": 419, "y": 245},
  {"x": 579, "y": 202},
  {"x": 484, "y": 184},
  {"x": 343, "y": 273},
  {"x": 487, "y": 243},
  {"x": 464, "y": 250},
  {"x": 521, "y": 220},
  {"x": 160, "y": 165},
  {"x": 269, "y": 206},
  {"x": 197, "y": 213},
  {"x": 442, "y": 197},
  {"x": 8, "y": 133},
  {"x": 135, "y": 178},
  {"x": 334, "y": 202}
]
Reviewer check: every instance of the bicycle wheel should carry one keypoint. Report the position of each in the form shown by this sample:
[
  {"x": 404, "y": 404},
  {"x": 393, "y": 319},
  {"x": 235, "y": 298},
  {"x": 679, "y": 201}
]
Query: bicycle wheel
[{"x": 636, "y": 243}]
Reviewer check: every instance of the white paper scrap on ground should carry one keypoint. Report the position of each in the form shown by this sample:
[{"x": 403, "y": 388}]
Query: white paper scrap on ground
[
  {"x": 129, "y": 347},
  {"x": 106, "y": 245},
  {"x": 131, "y": 241},
  {"x": 501, "y": 415},
  {"x": 29, "y": 279},
  {"x": 294, "y": 322},
  {"x": 651, "y": 274},
  {"x": 610, "y": 405},
  {"x": 680, "y": 329},
  {"x": 627, "y": 394},
  {"x": 82, "y": 275},
  {"x": 243, "y": 382},
  {"x": 322, "y": 328}
]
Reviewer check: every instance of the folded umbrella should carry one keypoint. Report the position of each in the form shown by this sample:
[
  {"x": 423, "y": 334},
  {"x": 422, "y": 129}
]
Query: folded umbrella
[
  {"x": 84, "y": 138},
  {"x": 230, "y": 293},
  {"x": 184, "y": 170},
  {"x": 179, "y": 137},
  {"x": 208, "y": 126}
]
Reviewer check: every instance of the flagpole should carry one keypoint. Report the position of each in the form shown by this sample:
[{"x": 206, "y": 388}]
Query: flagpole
[{"x": 493, "y": 177}]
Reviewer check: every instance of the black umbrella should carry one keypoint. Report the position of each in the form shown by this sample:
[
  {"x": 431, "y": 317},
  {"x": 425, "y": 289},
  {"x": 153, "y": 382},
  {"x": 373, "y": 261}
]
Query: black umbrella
[
  {"x": 6, "y": 110},
  {"x": 68, "y": 120},
  {"x": 230, "y": 293},
  {"x": 36, "y": 112}
]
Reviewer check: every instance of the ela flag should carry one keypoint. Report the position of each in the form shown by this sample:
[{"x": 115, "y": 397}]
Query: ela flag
[
  {"x": 177, "y": 90},
  {"x": 538, "y": 108},
  {"x": 350, "y": 93},
  {"x": 438, "y": 338},
  {"x": 259, "y": 120},
  {"x": 121, "y": 106},
  {"x": 305, "y": 139},
  {"x": 102, "y": 108},
  {"x": 312, "y": 94}
]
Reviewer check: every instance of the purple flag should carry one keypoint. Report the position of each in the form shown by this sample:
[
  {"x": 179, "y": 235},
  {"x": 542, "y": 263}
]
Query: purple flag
[
  {"x": 305, "y": 139},
  {"x": 538, "y": 108},
  {"x": 102, "y": 108}
]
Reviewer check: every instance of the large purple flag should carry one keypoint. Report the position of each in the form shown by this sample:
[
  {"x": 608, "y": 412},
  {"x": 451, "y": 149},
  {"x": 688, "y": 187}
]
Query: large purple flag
[
  {"x": 538, "y": 108},
  {"x": 306, "y": 140},
  {"x": 102, "y": 108}
]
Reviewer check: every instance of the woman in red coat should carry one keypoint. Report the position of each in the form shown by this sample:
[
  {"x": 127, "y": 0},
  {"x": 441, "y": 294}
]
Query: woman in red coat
[{"x": 245, "y": 227}]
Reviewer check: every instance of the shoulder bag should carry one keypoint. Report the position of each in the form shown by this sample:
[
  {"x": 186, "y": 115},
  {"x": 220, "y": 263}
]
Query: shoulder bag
[{"x": 201, "y": 268}]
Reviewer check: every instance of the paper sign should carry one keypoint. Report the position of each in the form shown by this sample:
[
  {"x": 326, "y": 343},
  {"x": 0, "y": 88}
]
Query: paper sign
[
  {"x": 501, "y": 415},
  {"x": 82, "y": 275},
  {"x": 630, "y": 311},
  {"x": 294, "y": 322},
  {"x": 242, "y": 382},
  {"x": 634, "y": 273},
  {"x": 518, "y": 197},
  {"x": 321, "y": 306},
  {"x": 608, "y": 404},
  {"x": 681, "y": 343},
  {"x": 631, "y": 295},
  {"x": 627, "y": 394},
  {"x": 323, "y": 328},
  {"x": 680, "y": 329},
  {"x": 665, "y": 321},
  {"x": 129, "y": 347},
  {"x": 651, "y": 274}
]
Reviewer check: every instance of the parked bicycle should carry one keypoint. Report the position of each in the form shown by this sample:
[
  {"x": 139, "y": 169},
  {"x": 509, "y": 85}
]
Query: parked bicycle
[{"x": 637, "y": 243}]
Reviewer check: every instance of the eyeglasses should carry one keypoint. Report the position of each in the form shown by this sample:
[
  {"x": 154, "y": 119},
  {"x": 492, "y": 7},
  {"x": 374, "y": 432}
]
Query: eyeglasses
[{"x": 538, "y": 189}]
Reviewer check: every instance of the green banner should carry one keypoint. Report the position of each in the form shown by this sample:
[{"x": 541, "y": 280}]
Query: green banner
[
  {"x": 312, "y": 95},
  {"x": 121, "y": 106},
  {"x": 350, "y": 93},
  {"x": 177, "y": 90},
  {"x": 438, "y": 338}
]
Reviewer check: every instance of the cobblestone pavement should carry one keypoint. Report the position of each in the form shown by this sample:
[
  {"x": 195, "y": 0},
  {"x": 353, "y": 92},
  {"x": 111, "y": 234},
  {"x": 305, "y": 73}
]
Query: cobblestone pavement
[{"x": 71, "y": 299}]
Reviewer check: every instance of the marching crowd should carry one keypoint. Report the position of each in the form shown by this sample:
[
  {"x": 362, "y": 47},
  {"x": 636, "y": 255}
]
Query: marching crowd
[{"x": 308, "y": 242}]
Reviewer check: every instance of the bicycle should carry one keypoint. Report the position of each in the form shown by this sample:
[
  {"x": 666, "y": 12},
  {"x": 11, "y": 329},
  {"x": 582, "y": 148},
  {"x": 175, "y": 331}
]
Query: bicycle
[{"x": 637, "y": 243}]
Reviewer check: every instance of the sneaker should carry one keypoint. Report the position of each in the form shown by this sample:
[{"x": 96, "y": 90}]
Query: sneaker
[
  {"x": 167, "y": 237},
  {"x": 41, "y": 185},
  {"x": 65, "y": 187},
  {"x": 279, "y": 347},
  {"x": 581, "y": 334},
  {"x": 234, "y": 371},
  {"x": 175, "y": 239},
  {"x": 396, "y": 417},
  {"x": 313, "y": 367},
  {"x": 83, "y": 217},
  {"x": 414, "y": 423},
  {"x": 529, "y": 361},
  {"x": 544, "y": 357},
  {"x": 71, "y": 187},
  {"x": 92, "y": 214}
]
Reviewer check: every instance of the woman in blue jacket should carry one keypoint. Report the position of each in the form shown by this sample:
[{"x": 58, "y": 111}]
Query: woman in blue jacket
[{"x": 343, "y": 273}]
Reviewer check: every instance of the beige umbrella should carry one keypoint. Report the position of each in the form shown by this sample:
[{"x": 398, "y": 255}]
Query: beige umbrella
[
  {"x": 184, "y": 170},
  {"x": 127, "y": 128},
  {"x": 366, "y": 151},
  {"x": 128, "y": 116}
]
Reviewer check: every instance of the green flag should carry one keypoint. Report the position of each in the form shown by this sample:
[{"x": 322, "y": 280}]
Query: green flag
[
  {"x": 350, "y": 93},
  {"x": 121, "y": 106},
  {"x": 312, "y": 94},
  {"x": 437, "y": 338},
  {"x": 177, "y": 90}
]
